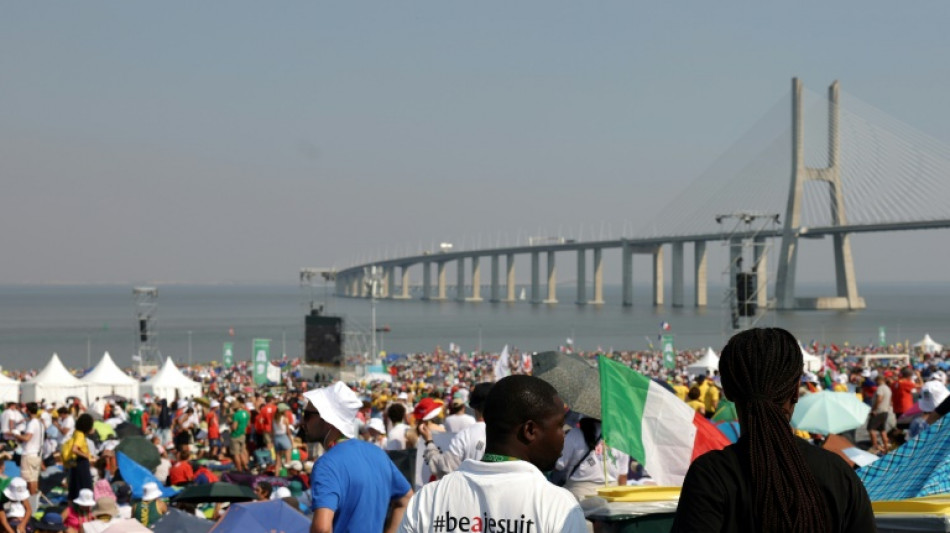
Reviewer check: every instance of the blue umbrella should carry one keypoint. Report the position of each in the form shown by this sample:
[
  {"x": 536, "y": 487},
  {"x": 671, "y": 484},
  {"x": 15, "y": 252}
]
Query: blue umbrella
[
  {"x": 273, "y": 515},
  {"x": 829, "y": 413}
]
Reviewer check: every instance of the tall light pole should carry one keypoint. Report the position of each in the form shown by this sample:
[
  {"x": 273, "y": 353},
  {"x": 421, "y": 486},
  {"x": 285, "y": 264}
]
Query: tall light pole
[
  {"x": 373, "y": 276},
  {"x": 189, "y": 348}
]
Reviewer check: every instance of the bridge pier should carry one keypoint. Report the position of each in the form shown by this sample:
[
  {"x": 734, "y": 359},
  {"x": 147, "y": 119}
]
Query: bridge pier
[
  {"x": 626, "y": 254},
  {"x": 495, "y": 275},
  {"x": 460, "y": 280},
  {"x": 510, "y": 278},
  {"x": 441, "y": 280},
  {"x": 426, "y": 280},
  {"x": 552, "y": 279},
  {"x": 677, "y": 274},
  {"x": 476, "y": 280},
  {"x": 535, "y": 275},
  {"x": 658, "y": 276},
  {"x": 581, "y": 276},
  {"x": 404, "y": 289},
  {"x": 598, "y": 277},
  {"x": 699, "y": 273},
  {"x": 760, "y": 264},
  {"x": 389, "y": 283}
]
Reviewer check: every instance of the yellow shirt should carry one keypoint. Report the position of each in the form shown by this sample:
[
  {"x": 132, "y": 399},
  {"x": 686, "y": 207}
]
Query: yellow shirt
[
  {"x": 681, "y": 391},
  {"x": 703, "y": 388},
  {"x": 711, "y": 398},
  {"x": 697, "y": 405}
]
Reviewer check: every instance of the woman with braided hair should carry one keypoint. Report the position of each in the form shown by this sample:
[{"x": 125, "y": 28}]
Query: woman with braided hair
[{"x": 769, "y": 480}]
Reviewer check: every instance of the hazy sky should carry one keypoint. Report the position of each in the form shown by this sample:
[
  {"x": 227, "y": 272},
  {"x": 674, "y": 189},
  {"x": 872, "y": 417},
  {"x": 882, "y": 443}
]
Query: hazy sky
[{"x": 239, "y": 141}]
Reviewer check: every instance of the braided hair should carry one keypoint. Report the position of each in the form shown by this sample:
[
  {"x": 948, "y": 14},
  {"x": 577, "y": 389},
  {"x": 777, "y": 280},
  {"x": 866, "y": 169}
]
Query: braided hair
[{"x": 761, "y": 370}]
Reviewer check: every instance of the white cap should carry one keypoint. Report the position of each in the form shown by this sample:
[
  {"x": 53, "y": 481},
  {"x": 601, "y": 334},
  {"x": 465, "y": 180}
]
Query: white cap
[
  {"x": 402, "y": 396},
  {"x": 215, "y": 403},
  {"x": 150, "y": 491},
  {"x": 280, "y": 492},
  {"x": 932, "y": 394},
  {"x": 16, "y": 490},
  {"x": 377, "y": 425},
  {"x": 85, "y": 498},
  {"x": 940, "y": 376},
  {"x": 337, "y": 405}
]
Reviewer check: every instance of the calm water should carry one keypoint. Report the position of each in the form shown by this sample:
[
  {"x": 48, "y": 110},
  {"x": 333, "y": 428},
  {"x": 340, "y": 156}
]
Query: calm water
[{"x": 37, "y": 321}]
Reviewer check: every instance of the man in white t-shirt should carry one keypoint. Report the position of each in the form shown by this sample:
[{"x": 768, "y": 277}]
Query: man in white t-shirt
[
  {"x": 31, "y": 439},
  {"x": 505, "y": 491},
  {"x": 467, "y": 444},
  {"x": 10, "y": 419},
  {"x": 458, "y": 419},
  {"x": 396, "y": 438}
]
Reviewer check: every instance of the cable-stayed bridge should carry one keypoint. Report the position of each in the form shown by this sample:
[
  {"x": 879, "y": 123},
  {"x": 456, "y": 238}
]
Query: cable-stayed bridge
[{"x": 840, "y": 167}]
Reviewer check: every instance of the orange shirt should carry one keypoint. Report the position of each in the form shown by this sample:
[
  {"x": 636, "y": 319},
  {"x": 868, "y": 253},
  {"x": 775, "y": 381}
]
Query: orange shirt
[{"x": 181, "y": 473}]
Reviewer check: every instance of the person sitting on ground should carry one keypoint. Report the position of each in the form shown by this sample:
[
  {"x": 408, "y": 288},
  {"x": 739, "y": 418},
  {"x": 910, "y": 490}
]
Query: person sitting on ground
[
  {"x": 103, "y": 513},
  {"x": 79, "y": 511},
  {"x": 48, "y": 523},
  {"x": 152, "y": 507},
  {"x": 583, "y": 461},
  {"x": 263, "y": 490},
  {"x": 931, "y": 395},
  {"x": 181, "y": 472},
  {"x": 123, "y": 498},
  {"x": 15, "y": 506},
  {"x": 769, "y": 480},
  {"x": 524, "y": 424}
]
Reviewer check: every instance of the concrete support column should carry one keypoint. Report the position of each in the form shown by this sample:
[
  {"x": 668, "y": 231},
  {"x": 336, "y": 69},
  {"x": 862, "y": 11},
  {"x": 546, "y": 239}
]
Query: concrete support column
[
  {"x": 678, "y": 274},
  {"x": 427, "y": 280},
  {"x": 658, "y": 276},
  {"x": 598, "y": 276},
  {"x": 626, "y": 255},
  {"x": 760, "y": 266},
  {"x": 552, "y": 279},
  {"x": 510, "y": 278},
  {"x": 476, "y": 280},
  {"x": 405, "y": 282},
  {"x": 355, "y": 282},
  {"x": 390, "y": 282},
  {"x": 460, "y": 280},
  {"x": 535, "y": 275},
  {"x": 495, "y": 276},
  {"x": 699, "y": 273},
  {"x": 581, "y": 276},
  {"x": 441, "y": 278},
  {"x": 364, "y": 287}
]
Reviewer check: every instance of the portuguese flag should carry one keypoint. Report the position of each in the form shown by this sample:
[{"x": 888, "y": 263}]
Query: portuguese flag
[{"x": 649, "y": 423}]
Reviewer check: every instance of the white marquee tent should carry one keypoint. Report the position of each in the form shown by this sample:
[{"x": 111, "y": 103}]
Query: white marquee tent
[
  {"x": 169, "y": 380},
  {"x": 810, "y": 362},
  {"x": 107, "y": 379},
  {"x": 9, "y": 389},
  {"x": 706, "y": 365},
  {"x": 53, "y": 384},
  {"x": 928, "y": 345}
]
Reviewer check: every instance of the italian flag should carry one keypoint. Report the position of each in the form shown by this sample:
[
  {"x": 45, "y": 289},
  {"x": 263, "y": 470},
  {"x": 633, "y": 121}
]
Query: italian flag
[{"x": 652, "y": 425}]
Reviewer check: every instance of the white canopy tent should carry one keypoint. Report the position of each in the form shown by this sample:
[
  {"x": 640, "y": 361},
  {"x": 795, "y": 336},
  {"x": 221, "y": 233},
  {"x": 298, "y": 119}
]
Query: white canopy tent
[
  {"x": 108, "y": 379},
  {"x": 53, "y": 384},
  {"x": 706, "y": 365},
  {"x": 928, "y": 345},
  {"x": 9, "y": 389},
  {"x": 168, "y": 381},
  {"x": 810, "y": 362}
]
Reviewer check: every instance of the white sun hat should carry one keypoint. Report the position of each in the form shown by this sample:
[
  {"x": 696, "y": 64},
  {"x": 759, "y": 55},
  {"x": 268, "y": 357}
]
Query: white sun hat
[
  {"x": 16, "y": 491},
  {"x": 85, "y": 498},
  {"x": 377, "y": 424},
  {"x": 338, "y": 405},
  {"x": 150, "y": 491}
]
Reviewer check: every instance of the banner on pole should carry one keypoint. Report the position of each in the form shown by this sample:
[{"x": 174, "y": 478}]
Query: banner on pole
[
  {"x": 261, "y": 359},
  {"x": 669, "y": 356},
  {"x": 881, "y": 337},
  {"x": 228, "y": 356}
]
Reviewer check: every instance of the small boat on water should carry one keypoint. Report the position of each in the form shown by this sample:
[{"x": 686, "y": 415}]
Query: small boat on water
[{"x": 523, "y": 295}]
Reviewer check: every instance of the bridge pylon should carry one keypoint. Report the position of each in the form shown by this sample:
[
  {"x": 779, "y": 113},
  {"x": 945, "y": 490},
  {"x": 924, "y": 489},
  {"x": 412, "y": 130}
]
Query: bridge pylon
[{"x": 846, "y": 285}]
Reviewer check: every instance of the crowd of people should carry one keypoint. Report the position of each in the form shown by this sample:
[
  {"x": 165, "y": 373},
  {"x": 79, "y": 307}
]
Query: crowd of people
[{"x": 310, "y": 443}]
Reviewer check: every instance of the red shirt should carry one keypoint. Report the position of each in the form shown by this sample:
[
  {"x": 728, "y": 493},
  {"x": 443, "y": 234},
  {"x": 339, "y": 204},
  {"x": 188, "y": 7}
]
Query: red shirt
[
  {"x": 903, "y": 397},
  {"x": 181, "y": 473},
  {"x": 212, "y": 419},
  {"x": 265, "y": 419}
]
